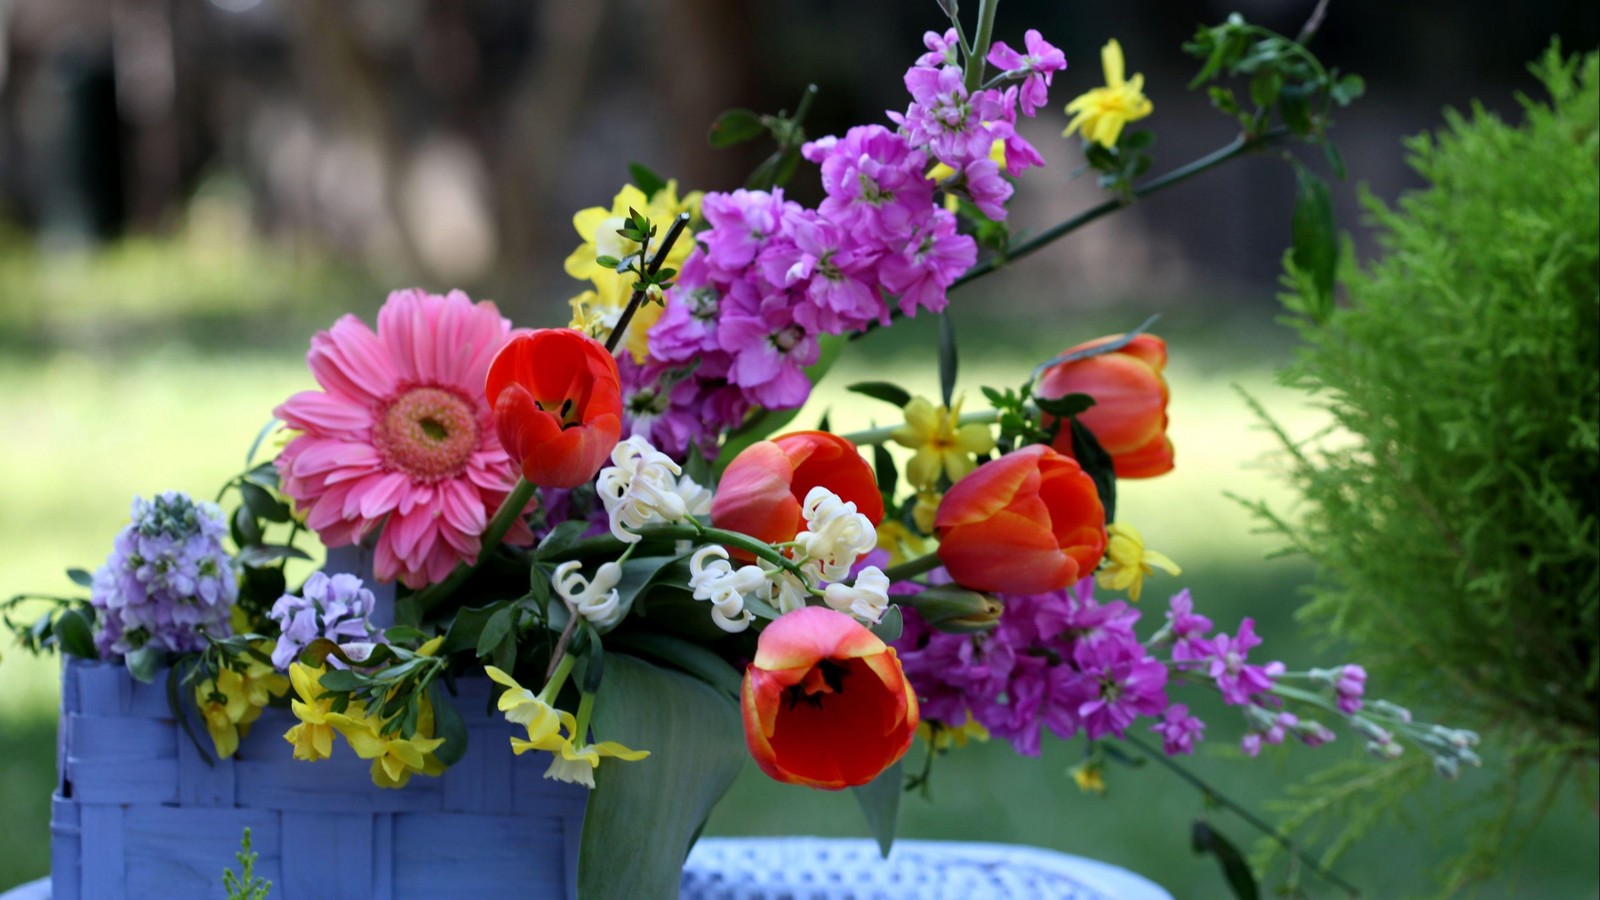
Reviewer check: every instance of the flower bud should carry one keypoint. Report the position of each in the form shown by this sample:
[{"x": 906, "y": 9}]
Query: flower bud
[{"x": 954, "y": 609}]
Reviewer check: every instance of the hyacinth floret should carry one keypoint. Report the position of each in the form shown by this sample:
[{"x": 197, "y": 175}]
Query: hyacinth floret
[{"x": 168, "y": 582}]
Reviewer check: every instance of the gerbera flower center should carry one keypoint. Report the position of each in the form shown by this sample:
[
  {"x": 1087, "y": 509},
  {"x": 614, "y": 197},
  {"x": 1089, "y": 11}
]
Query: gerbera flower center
[{"x": 427, "y": 432}]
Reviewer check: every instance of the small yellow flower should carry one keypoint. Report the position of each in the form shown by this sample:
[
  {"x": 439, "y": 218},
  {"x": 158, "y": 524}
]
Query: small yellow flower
[
  {"x": 244, "y": 693},
  {"x": 942, "y": 444},
  {"x": 946, "y": 736},
  {"x": 1102, "y": 112},
  {"x": 523, "y": 707},
  {"x": 598, "y": 226},
  {"x": 926, "y": 509},
  {"x": 576, "y": 765},
  {"x": 1128, "y": 562},
  {"x": 1090, "y": 776},
  {"x": 900, "y": 542},
  {"x": 313, "y": 737},
  {"x": 394, "y": 758}
]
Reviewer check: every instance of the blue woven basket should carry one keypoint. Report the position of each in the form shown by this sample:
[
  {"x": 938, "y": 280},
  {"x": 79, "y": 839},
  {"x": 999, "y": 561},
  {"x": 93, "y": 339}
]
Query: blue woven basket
[{"x": 138, "y": 813}]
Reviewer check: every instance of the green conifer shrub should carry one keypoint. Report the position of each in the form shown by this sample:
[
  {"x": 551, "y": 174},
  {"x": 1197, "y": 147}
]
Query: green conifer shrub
[{"x": 1451, "y": 508}]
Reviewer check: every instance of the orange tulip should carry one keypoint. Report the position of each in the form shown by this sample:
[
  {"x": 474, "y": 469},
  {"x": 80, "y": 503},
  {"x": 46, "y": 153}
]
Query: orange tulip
[
  {"x": 763, "y": 487},
  {"x": 826, "y": 703},
  {"x": 557, "y": 403},
  {"x": 1026, "y": 523},
  {"x": 1129, "y": 417}
]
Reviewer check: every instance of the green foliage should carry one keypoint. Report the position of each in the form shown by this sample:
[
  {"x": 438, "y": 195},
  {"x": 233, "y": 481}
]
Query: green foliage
[
  {"x": 246, "y": 886},
  {"x": 1452, "y": 507}
]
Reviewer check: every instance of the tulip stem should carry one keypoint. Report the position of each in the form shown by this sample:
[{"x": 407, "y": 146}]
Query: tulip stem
[
  {"x": 911, "y": 568},
  {"x": 510, "y": 510},
  {"x": 651, "y": 268}
]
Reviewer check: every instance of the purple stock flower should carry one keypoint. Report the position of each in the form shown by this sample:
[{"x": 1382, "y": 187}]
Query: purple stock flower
[
  {"x": 741, "y": 223},
  {"x": 986, "y": 187},
  {"x": 1236, "y": 679},
  {"x": 1350, "y": 685},
  {"x": 1116, "y": 682},
  {"x": 1040, "y": 64},
  {"x": 834, "y": 270},
  {"x": 336, "y": 607},
  {"x": 947, "y": 120},
  {"x": 167, "y": 582},
  {"x": 1179, "y": 731},
  {"x": 943, "y": 50},
  {"x": 1188, "y": 629},
  {"x": 770, "y": 349},
  {"x": 875, "y": 183},
  {"x": 923, "y": 271}
]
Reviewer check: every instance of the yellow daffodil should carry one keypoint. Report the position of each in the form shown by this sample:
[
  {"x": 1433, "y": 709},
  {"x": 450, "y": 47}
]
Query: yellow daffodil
[
  {"x": 947, "y": 736},
  {"x": 394, "y": 758},
  {"x": 523, "y": 707},
  {"x": 576, "y": 764},
  {"x": 1090, "y": 777},
  {"x": 313, "y": 737},
  {"x": 926, "y": 509},
  {"x": 598, "y": 227},
  {"x": 900, "y": 542},
  {"x": 1102, "y": 112},
  {"x": 942, "y": 445},
  {"x": 1128, "y": 562}
]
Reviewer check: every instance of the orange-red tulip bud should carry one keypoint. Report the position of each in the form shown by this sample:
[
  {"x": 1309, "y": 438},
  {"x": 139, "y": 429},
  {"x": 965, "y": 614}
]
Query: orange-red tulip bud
[
  {"x": 762, "y": 489},
  {"x": 1026, "y": 523},
  {"x": 557, "y": 403},
  {"x": 825, "y": 702},
  {"x": 1129, "y": 416}
]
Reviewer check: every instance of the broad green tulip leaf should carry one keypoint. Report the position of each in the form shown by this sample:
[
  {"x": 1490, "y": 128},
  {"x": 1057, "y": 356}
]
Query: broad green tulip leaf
[
  {"x": 642, "y": 816},
  {"x": 686, "y": 655},
  {"x": 880, "y": 803}
]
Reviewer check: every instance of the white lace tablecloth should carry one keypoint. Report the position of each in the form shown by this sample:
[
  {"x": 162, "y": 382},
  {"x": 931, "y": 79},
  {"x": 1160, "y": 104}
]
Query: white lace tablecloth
[
  {"x": 852, "y": 869},
  {"x": 849, "y": 869}
]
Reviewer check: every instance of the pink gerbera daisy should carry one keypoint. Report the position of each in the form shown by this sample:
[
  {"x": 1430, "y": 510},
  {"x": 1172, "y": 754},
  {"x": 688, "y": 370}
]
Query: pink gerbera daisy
[{"x": 401, "y": 437}]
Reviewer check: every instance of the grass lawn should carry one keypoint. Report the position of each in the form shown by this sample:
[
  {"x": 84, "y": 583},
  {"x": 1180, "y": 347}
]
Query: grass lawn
[{"x": 87, "y": 433}]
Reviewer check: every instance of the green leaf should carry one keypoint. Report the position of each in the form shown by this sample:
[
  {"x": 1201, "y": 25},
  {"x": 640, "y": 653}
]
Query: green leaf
[
  {"x": 892, "y": 394},
  {"x": 341, "y": 680},
  {"x": 1265, "y": 86},
  {"x": 646, "y": 813},
  {"x": 1066, "y": 405},
  {"x": 74, "y": 635},
  {"x": 447, "y": 724},
  {"x": 1098, "y": 464},
  {"x": 246, "y": 530},
  {"x": 1294, "y": 104},
  {"x": 265, "y": 554},
  {"x": 1206, "y": 840},
  {"x": 948, "y": 361},
  {"x": 594, "y": 660},
  {"x": 880, "y": 803},
  {"x": 1316, "y": 246},
  {"x": 1098, "y": 349},
  {"x": 1347, "y": 89},
  {"x": 81, "y": 578},
  {"x": 561, "y": 538},
  {"x": 735, "y": 126},
  {"x": 883, "y": 467},
  {"x": 180, "y": 711},
  {"x": 761, "y": 178},
  {"x": 264, "y": 475},
  {"x": 889, "y": 628},
  {"x": 689, "y": 656},
  {"x": 646, "y": 180},
  {"x": 404, "y": 634},
  {"x": 262, "y": 504},
  {"x": 143, "y": 663},
  {"x": 787, "y": 163},
  {"x": 495, "y": 629}
]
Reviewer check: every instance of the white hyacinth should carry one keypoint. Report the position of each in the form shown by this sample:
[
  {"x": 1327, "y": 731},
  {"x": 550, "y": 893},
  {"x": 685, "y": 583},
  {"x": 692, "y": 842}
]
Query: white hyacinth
[
  {"x": 595, "y": 600},
  {"x": 836, "y": 534},
  {"x": 718, "y": 581},
  {"x": 645, "y": 487},
  {"x": 867, "y": 599}
]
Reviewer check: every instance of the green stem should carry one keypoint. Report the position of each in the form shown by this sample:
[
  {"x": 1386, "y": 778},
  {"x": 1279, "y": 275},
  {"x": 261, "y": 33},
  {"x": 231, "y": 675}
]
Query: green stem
[
  {"x": 913, "y": 567},
  {"x": 1224, "y": 801},
  {"x": 510, "y": 509},
  {"x": 884, "y": 434},
  {"x": 1238, "y": 147},
  {"x": 980, "y": 46},
  {"x": 608, "y": 546},
  {"x": 580, "y": 731},
  {"x": 556, "y": 678},
  {"x": 651, "y": 267}
]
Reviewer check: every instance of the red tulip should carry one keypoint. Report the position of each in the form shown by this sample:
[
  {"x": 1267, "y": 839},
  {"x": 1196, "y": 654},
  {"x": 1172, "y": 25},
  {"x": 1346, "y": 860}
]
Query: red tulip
[
  {"x": 1129, "y": 417},
  {"x": 1026, "y": 523},
  {"x": 763, "y": 487},
  {"x": 826, "y": 703},
  {"x": 557, "y": 403}
]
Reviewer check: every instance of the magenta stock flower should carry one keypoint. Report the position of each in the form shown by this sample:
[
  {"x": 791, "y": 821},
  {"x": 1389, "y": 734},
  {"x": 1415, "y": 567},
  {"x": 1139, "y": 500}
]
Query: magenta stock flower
[
  {"x": 1041, "y": 62},
  {"x": 1188, "y": 629},
  {"x": 1236, "y": 679},
  {"x": 1179, "y": 731},
  {"x": 876, "y": 183},
  {"x": 400, "y": 435},
  {"x": 943, "y": 49},
  {"x": 924, "y": 269},
  {"x": 946, "y": 119},
  {"x": 1115, "y": 683},
  {"x": 988, "y": 190},
  {"x": 770, "y": 349}
]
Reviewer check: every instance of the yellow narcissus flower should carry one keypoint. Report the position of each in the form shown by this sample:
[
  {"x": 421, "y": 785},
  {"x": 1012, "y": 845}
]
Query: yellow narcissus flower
[
  {"x": 947, "y": 736},
  {"x": 394, "y": 758},
  {"x": 598, "y": 227},
  {"x": 1128, "y": 562},
  {"x": 926, "y": 510},
  {"x": 576, "y": 764},
  {"x": 313, "y": 737},
  {"x": 523, "y": 707},
  {"x": 901, "y": 543},
  {"x": 942, "y": 445},
  {"x": 1102, "y": 112}
]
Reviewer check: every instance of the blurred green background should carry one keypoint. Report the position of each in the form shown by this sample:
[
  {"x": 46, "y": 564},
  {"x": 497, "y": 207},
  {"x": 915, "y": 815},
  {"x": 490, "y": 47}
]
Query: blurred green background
[{"x": 189, "y": 189}]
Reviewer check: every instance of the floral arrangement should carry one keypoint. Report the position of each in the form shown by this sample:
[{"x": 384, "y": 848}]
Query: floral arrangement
[{"x": 611, "y": 515}]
